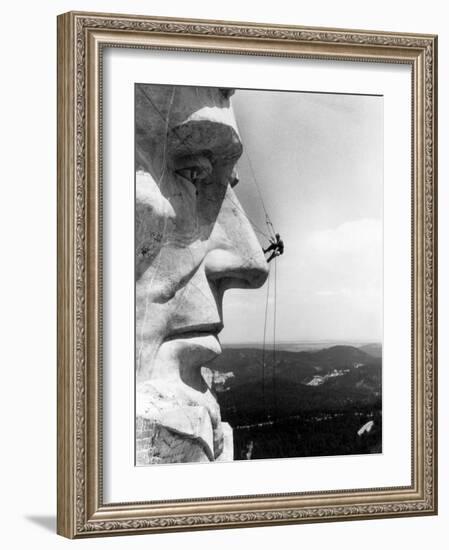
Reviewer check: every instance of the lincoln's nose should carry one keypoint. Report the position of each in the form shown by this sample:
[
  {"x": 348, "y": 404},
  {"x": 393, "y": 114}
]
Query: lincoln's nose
[
  {"x": 240, "y": 269},
  {"x": 235, "y": 252}
]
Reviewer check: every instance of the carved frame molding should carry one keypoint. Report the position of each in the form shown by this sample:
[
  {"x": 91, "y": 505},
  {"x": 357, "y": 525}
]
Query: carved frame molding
[{"x": 81, "y": 37}]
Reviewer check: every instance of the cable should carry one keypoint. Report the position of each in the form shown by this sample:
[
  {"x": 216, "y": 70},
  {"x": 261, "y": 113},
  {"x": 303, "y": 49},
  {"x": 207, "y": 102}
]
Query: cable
[
  {"x": 255, "y": 227},
  {"x": 267, "y": 217},
  {"x": 274, "y": 337},
  {"x": 264, "y": 339},
  {"x": 257, "y": 185}
]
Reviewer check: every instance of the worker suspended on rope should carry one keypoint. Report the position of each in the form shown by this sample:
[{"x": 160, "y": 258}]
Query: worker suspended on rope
[{"x": 276, "y": 246}]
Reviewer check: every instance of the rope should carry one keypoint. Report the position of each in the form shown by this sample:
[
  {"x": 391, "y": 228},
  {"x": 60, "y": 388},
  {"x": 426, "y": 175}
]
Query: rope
[
  {"x": 274, "y": 337},
  {"x": 267, "y": 217},
  {"x": 264, "y": 339},
  {"x": 255, "y": 227},
  {"x": 270, "y": 225},
  {"x": 255, "y": 181}
]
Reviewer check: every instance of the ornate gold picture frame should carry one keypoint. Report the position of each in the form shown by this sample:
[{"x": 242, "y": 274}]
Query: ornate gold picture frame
[{"x": 83, "y": 511}]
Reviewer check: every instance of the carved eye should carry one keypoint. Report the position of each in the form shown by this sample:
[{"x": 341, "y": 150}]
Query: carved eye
[
  {"x": 194, "y": 169},
  {"x": 192, "y": 174}
]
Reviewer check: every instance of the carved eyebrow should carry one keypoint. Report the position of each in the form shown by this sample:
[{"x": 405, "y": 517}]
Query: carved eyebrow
[{"x": 217, "y": 139}]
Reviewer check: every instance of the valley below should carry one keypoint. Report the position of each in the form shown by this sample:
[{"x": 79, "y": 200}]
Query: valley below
[{"x": 314, "y": 402}]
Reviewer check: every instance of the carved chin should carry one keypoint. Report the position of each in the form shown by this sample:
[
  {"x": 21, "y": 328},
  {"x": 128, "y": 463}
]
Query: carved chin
[{"x": 176, "y": 423}]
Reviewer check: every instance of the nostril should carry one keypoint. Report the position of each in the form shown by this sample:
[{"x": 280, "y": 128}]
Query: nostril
[{"x": 260, "y": 275}]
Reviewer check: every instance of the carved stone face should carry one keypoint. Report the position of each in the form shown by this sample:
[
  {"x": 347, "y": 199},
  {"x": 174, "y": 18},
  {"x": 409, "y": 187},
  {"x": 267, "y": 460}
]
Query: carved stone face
[{"x": 193, "y": 242}]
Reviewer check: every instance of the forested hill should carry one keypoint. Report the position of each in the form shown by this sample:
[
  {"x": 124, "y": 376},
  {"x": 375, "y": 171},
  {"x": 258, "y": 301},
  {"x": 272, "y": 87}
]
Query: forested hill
[
  {"x": 329, "y": 379},
  {"x": 311, "y": 386}
]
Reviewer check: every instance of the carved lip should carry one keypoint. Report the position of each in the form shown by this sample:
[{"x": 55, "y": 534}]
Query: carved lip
[
  {"x": 193, "y": 331},
  {"x": 196, "y": 345}
]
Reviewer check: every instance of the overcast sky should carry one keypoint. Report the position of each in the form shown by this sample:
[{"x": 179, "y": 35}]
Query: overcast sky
[{"x": 318, "y": 160}]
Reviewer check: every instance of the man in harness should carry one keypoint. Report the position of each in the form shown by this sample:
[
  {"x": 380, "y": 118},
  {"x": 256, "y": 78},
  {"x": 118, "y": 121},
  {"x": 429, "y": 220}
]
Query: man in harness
[{"x": 277, "y": 246}]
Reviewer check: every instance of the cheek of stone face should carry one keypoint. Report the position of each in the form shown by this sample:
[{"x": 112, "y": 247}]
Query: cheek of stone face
[
  {"x": 170, "y": 239},
  {"x": 166, "y": 213},
  {"x": 151, "y": 220},
  {"x": 210, "y": 203},
  {"x": 182, "y": 197}
]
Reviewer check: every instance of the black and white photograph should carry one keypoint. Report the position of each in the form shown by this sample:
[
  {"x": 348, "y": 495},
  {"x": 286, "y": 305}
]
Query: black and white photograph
[{"x": 259, "y": 271}]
